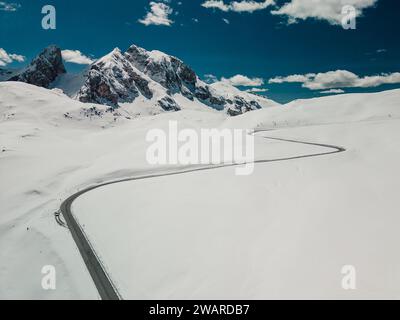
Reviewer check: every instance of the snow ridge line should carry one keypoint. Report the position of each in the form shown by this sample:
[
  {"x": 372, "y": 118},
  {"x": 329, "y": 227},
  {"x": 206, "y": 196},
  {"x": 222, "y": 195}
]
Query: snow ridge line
[{"x": 102, "y": 280}]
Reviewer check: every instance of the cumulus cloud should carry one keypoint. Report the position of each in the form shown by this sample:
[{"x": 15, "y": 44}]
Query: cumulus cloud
[
  {"x": 339, "y": 79},
  {"x": 243, "y": 81},
  {"x": 333, "y": 91},
  {"x": 329, "y": 10},
  {"x": 257, "y": 90},
  {"x": 292, "y": 79},
  {"x": 7, "y": 58},
  {"x": 17, "y": 57},
  {"x": 216, "y": 4},
  {"x": 75, "y": 56},
  {"x": 295, "y": 10},
  {"x": 10, "y": 7},
  {"x": 158, "y": 15},
  {"x": 238, "y": 6}
]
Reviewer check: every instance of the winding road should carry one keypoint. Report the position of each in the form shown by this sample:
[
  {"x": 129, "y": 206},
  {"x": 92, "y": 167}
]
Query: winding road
[{"x": 104, "y": 284}]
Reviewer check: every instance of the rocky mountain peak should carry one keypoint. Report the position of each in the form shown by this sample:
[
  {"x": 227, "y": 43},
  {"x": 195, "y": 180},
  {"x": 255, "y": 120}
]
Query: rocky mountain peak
[
  {"x": 112, "y": 80},
  {"x": 44, "y": 69},
  {"x": 167, "y": 70}
]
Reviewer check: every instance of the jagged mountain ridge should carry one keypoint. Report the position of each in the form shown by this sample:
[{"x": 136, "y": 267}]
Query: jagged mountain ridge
[
  {"x": 152, "y": 77},
  {"x": 44, "y": 69}
]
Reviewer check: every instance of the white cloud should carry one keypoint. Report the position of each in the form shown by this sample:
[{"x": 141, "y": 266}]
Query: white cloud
[
  {"x": 292, "y": 79},
  {"x": 332, "y": 79},
  {"x": 238, "y": 81},
  {"x": 257, "y": 90},
  {"x": 295, "y": 10},
  {"x": 339, "y": 79},
  {"x": 17, "y": 57},
  {"x": 7, "y": 58},
  {"x": 333, "y": 91},
  {"x": 10, "y": 7},
  {"x": 75, "y": 56},
  {"x": 238, "y": 6},
  {"x": 329, "y": 10},
  {"x": 226, "y": 21},
  {"x": 250, "y": 6},
  {"x": 216, "y": 4},
  {"x": 243, "y": 81},
  {"x": 158, "y": 15}
]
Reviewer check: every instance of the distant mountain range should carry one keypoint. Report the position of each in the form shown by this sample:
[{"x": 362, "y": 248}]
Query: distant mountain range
[{"x": 151, "y": 78}]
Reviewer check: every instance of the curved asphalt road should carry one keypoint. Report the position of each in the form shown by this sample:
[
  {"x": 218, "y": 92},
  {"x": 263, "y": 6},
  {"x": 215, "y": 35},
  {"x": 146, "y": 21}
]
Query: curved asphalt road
[{"x": 105, "y": 286}]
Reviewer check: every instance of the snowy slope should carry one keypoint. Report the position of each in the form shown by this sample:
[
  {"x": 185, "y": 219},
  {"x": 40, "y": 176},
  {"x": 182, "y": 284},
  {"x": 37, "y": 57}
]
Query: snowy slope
[
  {"x": 326, "y": 110},
  {"x": 51, "y": 146},
  {"x": 70, "y": 83},
  {"x": 23, "y": 102},
  {"x": 285, "y": 231}
]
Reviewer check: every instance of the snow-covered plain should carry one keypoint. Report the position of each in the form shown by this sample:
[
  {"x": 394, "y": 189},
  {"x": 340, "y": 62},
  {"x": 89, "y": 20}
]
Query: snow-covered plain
[
  {"x": 284, "y": 232},
  {"x": 51, "y": 147}
]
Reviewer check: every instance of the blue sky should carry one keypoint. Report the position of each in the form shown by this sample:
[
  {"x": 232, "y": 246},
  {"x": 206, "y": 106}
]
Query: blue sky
[{"x": 256, "y": 44}]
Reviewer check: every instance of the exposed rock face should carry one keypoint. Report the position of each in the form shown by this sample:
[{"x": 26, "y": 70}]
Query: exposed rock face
[
  {"x": 204, "y": 94},
  {"x": 173, "y": 75},
  {"x": 239, "y": 106},
  {"x": 44, "y": 69},
  {"x": 238, "y": 102},
  {"x": 168, "y": 71},
  {"x": 121, "y": 77},
  {"x": 168, "y": 104},
  {"x": 113, "y": 80},
  {"x": 177, "y": 77}
]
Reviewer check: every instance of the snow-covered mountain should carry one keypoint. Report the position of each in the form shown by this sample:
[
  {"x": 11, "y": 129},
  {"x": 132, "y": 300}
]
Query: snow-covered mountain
[
  {"x": 122, "y": 77},
  {"x": 138, "y": 79}
]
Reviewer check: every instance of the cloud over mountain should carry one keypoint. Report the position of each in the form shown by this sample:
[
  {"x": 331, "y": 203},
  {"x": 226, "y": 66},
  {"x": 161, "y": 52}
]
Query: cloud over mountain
[
  {"x": 338, "y": 79},
  {"x": 7, "y": 58},
  {"x": 75, "y": 56},
  {"x": 243, "y": 81}
]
